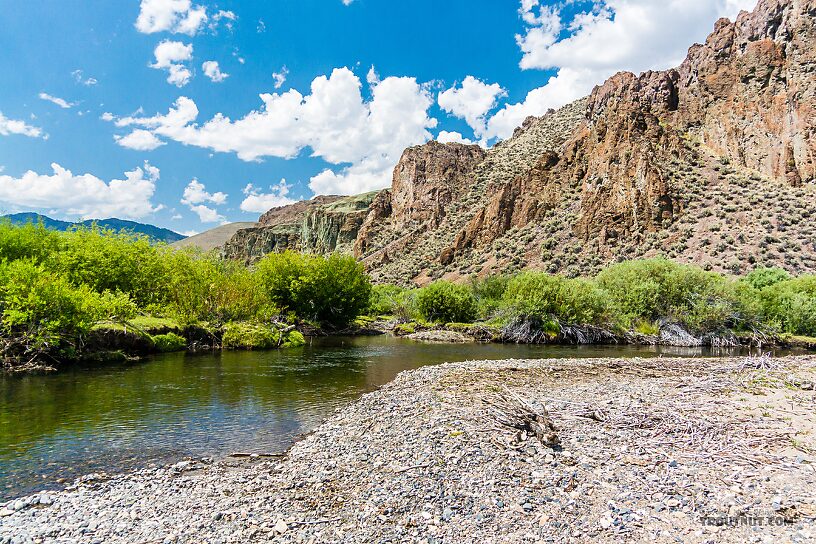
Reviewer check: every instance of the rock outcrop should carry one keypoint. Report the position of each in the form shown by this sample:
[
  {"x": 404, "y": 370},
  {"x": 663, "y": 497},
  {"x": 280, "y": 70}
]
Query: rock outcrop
[
  {"x": 427, "y": 179},
  {"x": 321, "y": 225}
]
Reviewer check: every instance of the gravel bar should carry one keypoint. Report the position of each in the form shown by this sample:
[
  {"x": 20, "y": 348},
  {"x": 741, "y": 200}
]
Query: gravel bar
[{"x": 658, "y": 450}]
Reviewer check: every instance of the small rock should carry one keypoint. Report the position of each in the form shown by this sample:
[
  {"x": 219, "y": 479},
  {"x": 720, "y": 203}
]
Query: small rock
[{"x": 281, "y": 527}]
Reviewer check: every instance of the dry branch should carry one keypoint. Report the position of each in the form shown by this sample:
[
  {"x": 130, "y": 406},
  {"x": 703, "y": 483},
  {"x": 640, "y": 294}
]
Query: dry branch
[{"x": 527, "y": 417}]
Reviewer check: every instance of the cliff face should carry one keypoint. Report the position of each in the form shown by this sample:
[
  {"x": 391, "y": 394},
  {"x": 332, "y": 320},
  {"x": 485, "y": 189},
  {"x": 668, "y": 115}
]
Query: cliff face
[
  {"x": 712, "y": 162},
  {"x": 427, "y": 180},
  {"x": 321, "y": 225}
]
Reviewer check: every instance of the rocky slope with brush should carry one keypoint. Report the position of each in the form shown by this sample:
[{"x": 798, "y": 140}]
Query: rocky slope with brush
[{"x": 712, "y": 162}]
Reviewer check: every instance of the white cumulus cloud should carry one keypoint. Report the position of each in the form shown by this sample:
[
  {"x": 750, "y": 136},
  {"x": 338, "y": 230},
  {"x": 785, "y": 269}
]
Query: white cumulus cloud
[
  {"x": 12, "y": 126},
  {"x": 334, "y": 121},
  {"x": 446, "y": 137},
  {"x": 471, "y": 101},
  {"x": 213, "y": 71},
  {"x": 170, "y": 56},
  {"x": 176, "y": 16},
  {"x": 280, "y": 77},
  {"x": 614, "y": 35},
  {"x": 196, "y": 198},
  {"x": 196, "y": 193},
  {"x": 207, "y": 214},
  {"x": 258, "y": 202},
  {"x": 140, "y": 140},
  {"x": 84, "y": 195}
]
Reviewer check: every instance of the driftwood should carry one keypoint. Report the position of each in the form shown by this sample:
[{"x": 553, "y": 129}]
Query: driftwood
[{"x": 527, "y": 417}]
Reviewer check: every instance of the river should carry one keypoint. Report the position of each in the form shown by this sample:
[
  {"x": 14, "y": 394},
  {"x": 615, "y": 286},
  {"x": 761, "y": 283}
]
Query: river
[{"x": 56, "y": 427}]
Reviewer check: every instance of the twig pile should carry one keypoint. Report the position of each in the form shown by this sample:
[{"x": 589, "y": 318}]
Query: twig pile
[{"x": 529, "y": 418}]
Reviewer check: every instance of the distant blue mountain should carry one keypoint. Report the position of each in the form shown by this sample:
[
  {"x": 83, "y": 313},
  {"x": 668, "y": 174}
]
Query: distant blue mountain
[{"x": 155, "y": 233}]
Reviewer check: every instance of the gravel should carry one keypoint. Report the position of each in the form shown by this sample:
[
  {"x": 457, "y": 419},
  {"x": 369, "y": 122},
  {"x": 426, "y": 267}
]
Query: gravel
[{"x": 659, "y": 450}]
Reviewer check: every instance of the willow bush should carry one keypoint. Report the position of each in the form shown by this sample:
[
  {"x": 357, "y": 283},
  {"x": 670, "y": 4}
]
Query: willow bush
[{"x": 445, "y": 302}]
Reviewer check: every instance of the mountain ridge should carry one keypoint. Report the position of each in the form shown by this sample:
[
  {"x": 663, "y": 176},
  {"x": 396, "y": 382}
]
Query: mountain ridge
[{"x": 155, "y": 233}]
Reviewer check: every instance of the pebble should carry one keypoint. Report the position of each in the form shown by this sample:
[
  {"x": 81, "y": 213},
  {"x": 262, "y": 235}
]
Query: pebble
[{"x": 281, "y": 526}]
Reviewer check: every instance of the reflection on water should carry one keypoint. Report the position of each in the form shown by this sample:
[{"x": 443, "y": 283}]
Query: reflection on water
[{"x": 117, "y": 417}]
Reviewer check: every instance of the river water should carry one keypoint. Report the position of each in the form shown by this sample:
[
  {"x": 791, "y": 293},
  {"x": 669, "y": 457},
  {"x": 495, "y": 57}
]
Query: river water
[{"x": 56, "y": 427}]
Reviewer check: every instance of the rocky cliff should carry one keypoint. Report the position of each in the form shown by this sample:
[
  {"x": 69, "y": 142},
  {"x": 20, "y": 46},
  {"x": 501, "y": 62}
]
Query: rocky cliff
[
  {"x": 321, "y": 225},
  {"x": 712, "y": 162}
]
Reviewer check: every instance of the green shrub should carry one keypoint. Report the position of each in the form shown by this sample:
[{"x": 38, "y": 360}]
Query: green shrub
[
  {"x": 386, "y": 300},
  {"x": 545, "y": 297},
  {"x": 202, "y": 287},
  {"x": 332, "y": 291},
  {"x": 445, "y": 302},
  {"x": 655, "y": 289},
  {"x": 294, "y": 339},
  {"x": 44, "y": 314},
  {"x": 761, "y": 278},
  {"x": 117, "y": 262},
  {"x": 26, "y": 242},
  {"x": 250, "y": 336},
  {"x": 727, "y": 304},
  {"x": 488, "y": 292},
  {"x": 791, "y": 305},
  {"x": 169, "y": 342}
]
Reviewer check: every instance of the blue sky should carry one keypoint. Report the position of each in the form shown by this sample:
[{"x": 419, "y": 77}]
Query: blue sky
[{"x": 188, "y": 114}]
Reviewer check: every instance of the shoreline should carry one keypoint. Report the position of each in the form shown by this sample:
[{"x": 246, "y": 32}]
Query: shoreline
[
  {"x": 424, "y": 457},
  {"x": 117, "y": 346}
]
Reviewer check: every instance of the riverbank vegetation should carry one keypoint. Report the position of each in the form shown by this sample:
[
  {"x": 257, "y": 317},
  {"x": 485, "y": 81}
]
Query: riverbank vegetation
[
  {"x": 63, "y": 295},
  {"x": 630, "y": 301}
]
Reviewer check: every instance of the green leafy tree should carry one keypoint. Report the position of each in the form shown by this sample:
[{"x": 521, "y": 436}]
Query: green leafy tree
[{"x": 30, "y": 241}]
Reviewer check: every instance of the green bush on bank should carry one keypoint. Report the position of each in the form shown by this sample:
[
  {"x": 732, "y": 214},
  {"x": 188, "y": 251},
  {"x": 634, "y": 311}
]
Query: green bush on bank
[
  {"x": 170, "y": 342},
  {"x": 331, "y": 291},
  {"x": 43, "y": 313},
  {"x": 791, "y": 305},
  {"x": 659, "y": 289},
  {"x": 488, "y": 292},
  {"x": 544, "y": 297},
  {"x": 762, "y": 277},
  {"x": 387, "y": 300},
  {"x": 294, "y": 339},
  {"x": 203, "y": 288},
  {"x": 26, "y": 242},
  {"x": 445, "y": 302},
  {"x": 635, "y": 295}
]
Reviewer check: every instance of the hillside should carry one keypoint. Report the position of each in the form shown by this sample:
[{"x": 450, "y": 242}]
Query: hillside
[
  {"x": 213, "y": 238},
  {"x": 156, "y": 233},
  {"x": 712, "y": 162}
]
